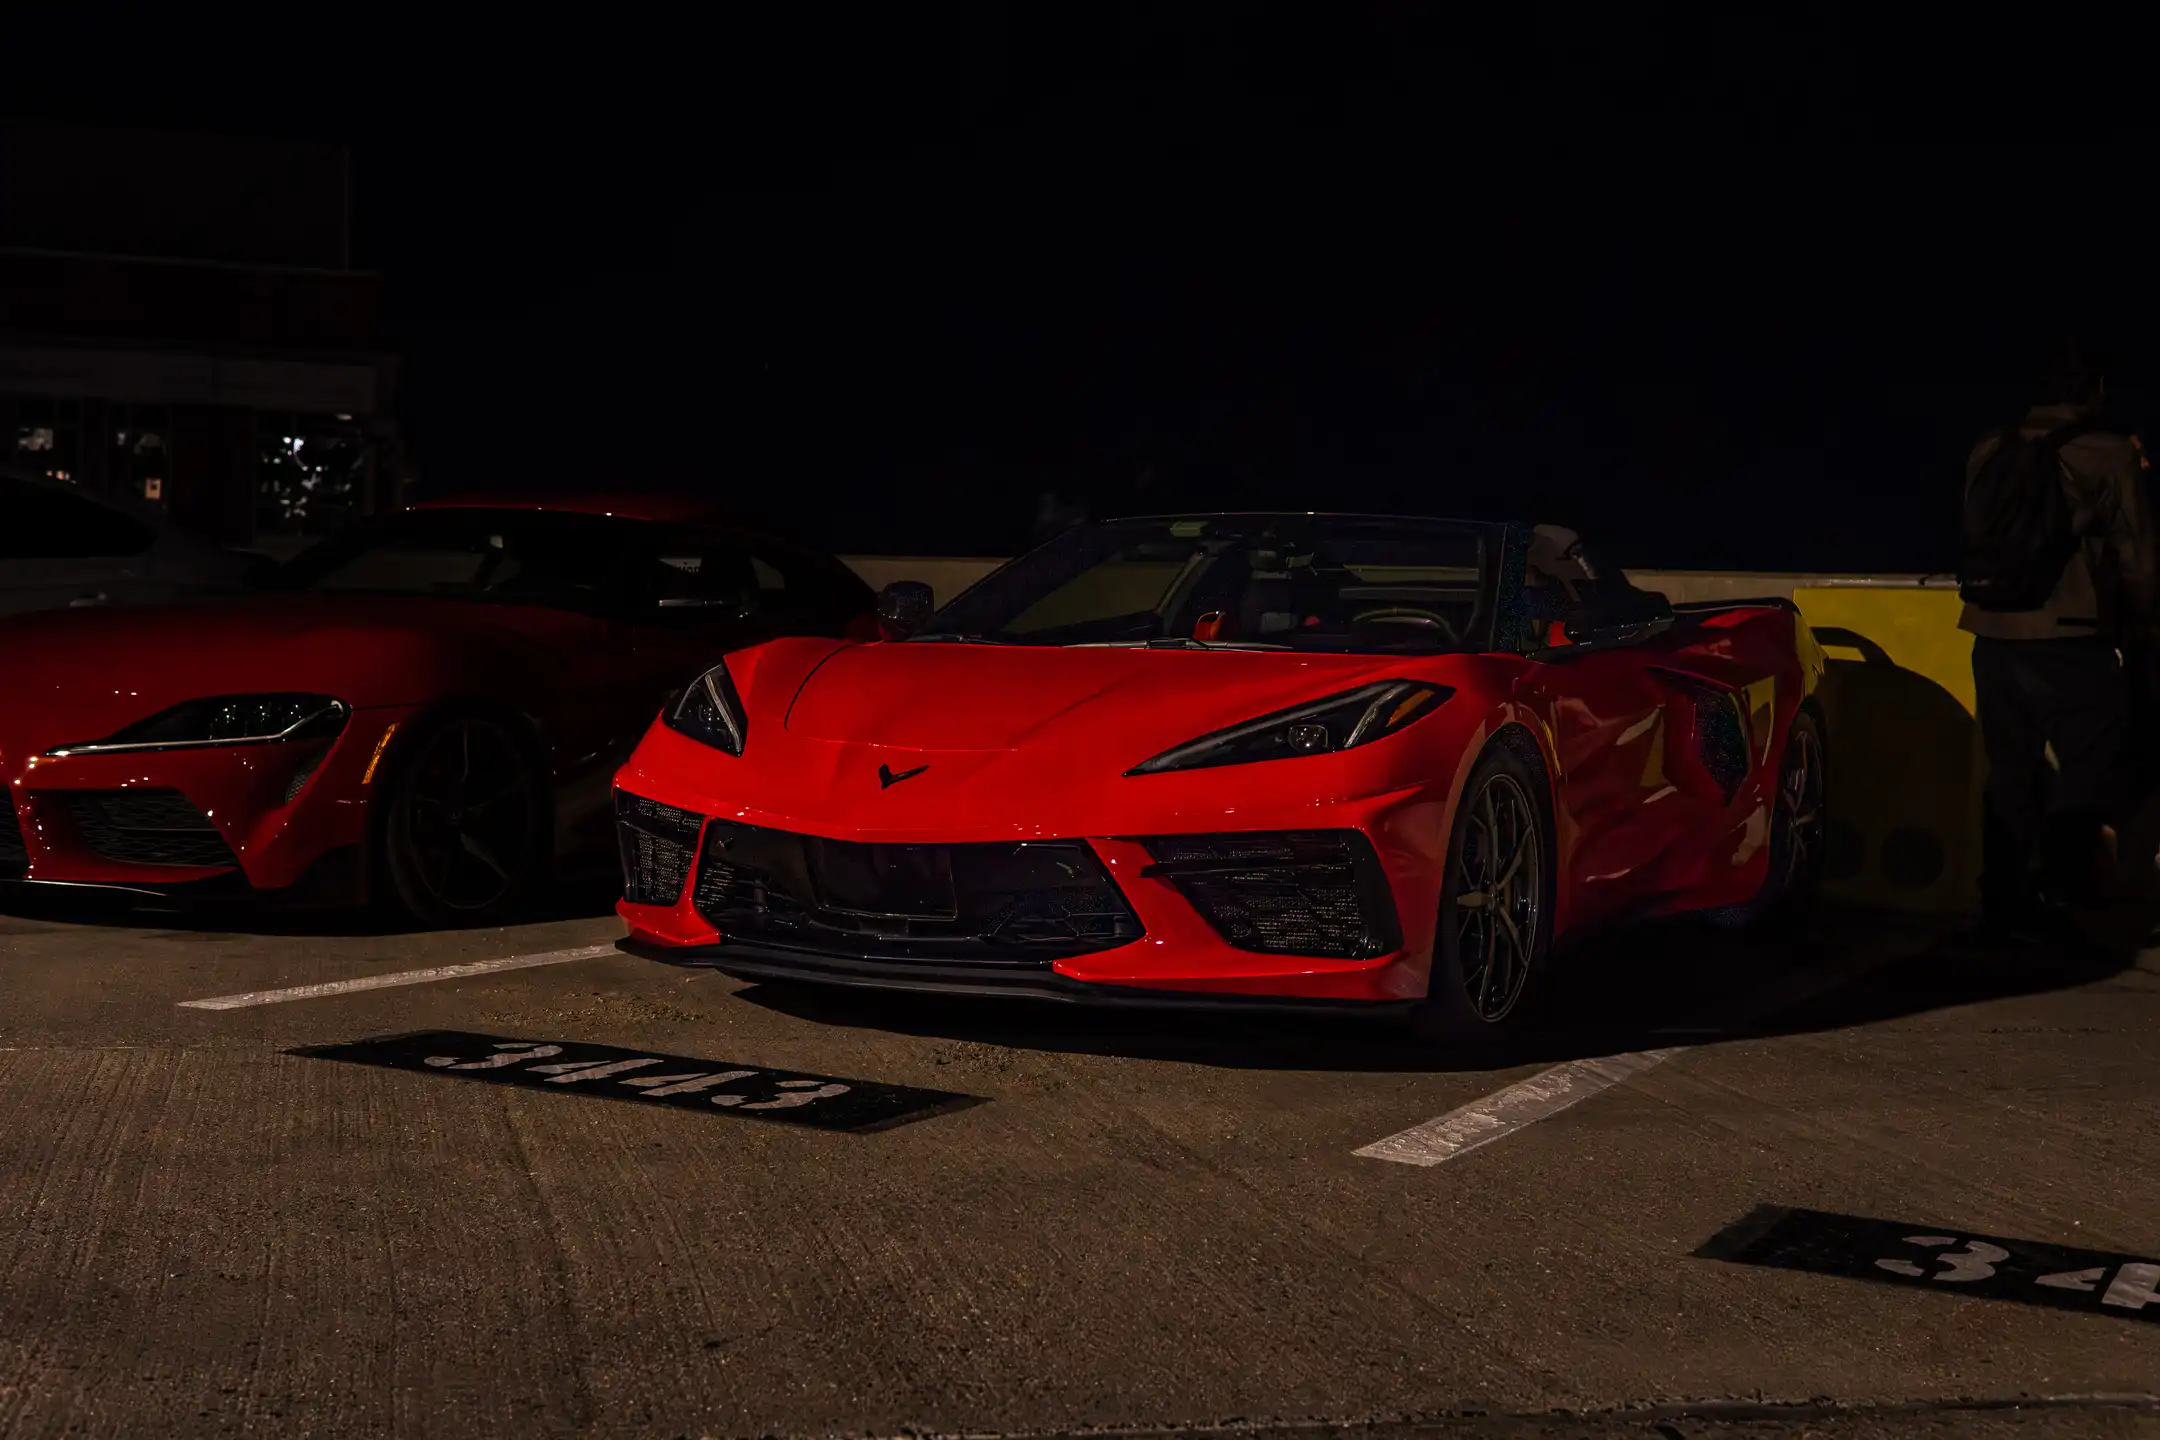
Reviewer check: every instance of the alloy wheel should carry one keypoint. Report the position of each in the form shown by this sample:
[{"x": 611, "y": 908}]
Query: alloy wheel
[
  {"x": 471, "y": 816},
  {"x": 1499, "y": 897},
  {"x": 1799, "y": 817}
]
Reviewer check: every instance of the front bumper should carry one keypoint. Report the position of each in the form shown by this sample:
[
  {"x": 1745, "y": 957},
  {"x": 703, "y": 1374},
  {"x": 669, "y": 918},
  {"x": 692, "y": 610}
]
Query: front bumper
[
  {"x": 244, "y": 819},
  {"x": 1179, "y": 956}
]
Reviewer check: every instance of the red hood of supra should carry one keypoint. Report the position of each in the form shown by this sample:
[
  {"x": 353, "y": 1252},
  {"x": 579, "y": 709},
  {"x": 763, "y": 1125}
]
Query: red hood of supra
[{"x": 81, "y": 674}]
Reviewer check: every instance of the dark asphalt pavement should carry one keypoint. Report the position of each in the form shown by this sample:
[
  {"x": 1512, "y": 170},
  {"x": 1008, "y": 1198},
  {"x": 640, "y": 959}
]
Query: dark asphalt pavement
[{"x": 1147, "y": 1222}]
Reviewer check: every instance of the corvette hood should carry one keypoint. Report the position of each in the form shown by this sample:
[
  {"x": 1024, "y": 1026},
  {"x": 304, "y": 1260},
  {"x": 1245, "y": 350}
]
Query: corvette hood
[
  {"x": 79, "y": 674},
  {"x": 933, "y": 696}
]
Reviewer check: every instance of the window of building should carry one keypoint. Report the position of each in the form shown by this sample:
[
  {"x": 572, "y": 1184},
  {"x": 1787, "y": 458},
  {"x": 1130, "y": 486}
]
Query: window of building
[
  {"x": 139, "y": 464},
  {"x": 43, "y": 436}
]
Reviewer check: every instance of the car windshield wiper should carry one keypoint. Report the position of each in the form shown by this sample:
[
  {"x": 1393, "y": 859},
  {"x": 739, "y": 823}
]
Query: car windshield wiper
[{"x": 956, "y": 639}]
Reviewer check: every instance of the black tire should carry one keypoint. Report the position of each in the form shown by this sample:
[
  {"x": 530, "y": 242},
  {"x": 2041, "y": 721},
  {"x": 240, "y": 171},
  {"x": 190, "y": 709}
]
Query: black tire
[
  {"x": 464, "y": 830},
  {"x": 1799, "y": 841},
  {"x": 1494, "y": 937}
]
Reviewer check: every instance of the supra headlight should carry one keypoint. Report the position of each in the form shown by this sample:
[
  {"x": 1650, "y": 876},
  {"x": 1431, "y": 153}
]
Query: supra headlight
[
  {"x": 710, "y": 711},
  {"x": 1340, "y": 722},
  {"x": 226, "y": 720}
]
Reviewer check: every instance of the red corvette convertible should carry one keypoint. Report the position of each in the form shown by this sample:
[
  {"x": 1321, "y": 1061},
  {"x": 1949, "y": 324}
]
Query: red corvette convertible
[
  {"x": 425, "y": 708},
  {"x": 1279, "y": 758}
]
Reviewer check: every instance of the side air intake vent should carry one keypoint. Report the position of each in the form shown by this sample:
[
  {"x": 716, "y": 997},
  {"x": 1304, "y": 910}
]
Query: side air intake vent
[
  {"x": 659, "y": 843},
  {"x": 1720, "y": 734},
  {"x": 1287, "y": 892}
]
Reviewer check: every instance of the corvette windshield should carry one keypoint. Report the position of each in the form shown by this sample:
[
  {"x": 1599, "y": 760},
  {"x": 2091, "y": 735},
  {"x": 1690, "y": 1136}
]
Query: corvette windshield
[{"x": 1293, "y": 582}]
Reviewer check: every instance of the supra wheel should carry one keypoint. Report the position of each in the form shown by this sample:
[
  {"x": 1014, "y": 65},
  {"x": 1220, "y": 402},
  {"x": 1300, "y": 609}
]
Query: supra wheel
[
  {"x": 1495, "y": 923},
  {"x": 464, "y": 839},
  {"x": 1798, "y": 829}
]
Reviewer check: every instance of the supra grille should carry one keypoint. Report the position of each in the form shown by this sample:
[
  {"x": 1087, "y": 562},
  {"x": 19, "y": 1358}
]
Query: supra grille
[
  {"x": 1289, "y": 892},
  {"x": 1013, "y": 903},
  {"x": 659, "y": 843},
  {"x": 14, "y": 857},
  {"x": 146, "y": 827}
]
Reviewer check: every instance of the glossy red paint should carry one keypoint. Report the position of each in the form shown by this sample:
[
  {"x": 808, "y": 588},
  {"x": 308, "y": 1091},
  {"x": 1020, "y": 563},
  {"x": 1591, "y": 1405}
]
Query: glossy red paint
[
  {"x": 241, "y": 789},
  {"x": 582, "y": 687},
  {"x": 1036, "y": 744}
]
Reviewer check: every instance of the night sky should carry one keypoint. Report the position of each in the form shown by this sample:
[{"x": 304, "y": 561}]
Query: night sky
[{"x": 1719, "y": 290}]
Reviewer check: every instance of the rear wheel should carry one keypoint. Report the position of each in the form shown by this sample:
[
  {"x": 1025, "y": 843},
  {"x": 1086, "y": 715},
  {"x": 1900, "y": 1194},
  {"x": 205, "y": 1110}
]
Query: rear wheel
[
  {"x": 1495, "y": 922},
  {"x": 465, "y": 838}
]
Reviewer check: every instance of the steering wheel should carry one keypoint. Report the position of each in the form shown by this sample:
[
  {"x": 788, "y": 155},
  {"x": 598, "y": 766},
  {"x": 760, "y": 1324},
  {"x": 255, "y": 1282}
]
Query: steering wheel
[{"x": 1403, "y": 615}]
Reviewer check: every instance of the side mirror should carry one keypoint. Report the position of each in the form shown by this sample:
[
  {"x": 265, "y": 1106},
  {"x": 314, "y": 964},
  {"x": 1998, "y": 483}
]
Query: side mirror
[{"x": 903, "y": 608}]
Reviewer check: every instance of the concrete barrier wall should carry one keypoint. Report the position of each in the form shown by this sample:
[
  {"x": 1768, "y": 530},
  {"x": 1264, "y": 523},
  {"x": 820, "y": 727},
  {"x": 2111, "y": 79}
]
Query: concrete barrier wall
[{"x": 948, "y": 575}]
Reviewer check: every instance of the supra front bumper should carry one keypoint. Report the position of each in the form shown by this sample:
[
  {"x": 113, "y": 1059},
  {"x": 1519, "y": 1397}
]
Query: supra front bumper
[
  {"x": 210, "y": 821},
  {"x": 1180, "y": 954}
]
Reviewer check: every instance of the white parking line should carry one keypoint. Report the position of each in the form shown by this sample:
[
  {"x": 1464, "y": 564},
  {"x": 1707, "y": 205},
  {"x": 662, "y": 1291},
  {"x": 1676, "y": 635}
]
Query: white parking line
[
  {"x": 402, "y": 977},
  {"x": 1503, "y": 1113},
  {"x": 1549, "y": 1092}
]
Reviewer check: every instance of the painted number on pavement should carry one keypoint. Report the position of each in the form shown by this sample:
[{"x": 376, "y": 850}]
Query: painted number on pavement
[
  {"x": 819, "y": 1102},
  {"x": 2026, "y": 1271}
]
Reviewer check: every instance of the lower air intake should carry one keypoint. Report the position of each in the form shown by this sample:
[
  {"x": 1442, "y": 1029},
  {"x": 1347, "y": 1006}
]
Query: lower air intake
[
  {"x": 659, "y": 844},
  {"x": 1013, "y": 903},
  {"x": 14, "y": 858},
  {"x": 146, "y": 827},
  {"x": 1286, "y": 892}
]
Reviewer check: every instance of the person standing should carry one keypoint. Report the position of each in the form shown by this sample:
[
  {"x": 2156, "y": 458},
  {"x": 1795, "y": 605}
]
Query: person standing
[{"x": 2058, "y": 583}]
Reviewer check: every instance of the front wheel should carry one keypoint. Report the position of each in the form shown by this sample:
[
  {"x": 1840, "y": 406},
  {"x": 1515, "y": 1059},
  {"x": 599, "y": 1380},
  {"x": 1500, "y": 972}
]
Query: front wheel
[
  {"x": 465, "y": 840},
  {"x": 1495, "y": 922}
]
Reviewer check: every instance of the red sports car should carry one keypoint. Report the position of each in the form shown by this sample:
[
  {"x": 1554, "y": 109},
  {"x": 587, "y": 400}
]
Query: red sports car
[
  {"x": 426, "y": 708},
  {"x": 1276, "y": 757}
]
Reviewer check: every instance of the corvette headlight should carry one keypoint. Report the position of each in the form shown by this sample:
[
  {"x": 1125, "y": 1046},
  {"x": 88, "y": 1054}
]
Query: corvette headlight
[
  {"x": 710, "y": 712},
  {"x": 1340, "y": 722},
  {"x": 225, "y": 720}
]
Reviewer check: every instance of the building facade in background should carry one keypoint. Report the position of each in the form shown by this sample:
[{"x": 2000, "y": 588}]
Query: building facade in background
[{"x": 180, "y": 327}]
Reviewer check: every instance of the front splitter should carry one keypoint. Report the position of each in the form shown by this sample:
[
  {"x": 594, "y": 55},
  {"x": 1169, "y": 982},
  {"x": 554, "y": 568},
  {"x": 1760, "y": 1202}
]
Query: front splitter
[{"x": 760, "y": 962}]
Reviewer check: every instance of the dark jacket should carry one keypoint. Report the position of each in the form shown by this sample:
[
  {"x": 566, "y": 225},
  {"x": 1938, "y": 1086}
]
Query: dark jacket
[{"x": 2107, "y": 588}]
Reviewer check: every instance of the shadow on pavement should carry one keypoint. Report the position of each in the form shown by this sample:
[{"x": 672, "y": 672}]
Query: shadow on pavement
[{"x": 1657, "y": 985}]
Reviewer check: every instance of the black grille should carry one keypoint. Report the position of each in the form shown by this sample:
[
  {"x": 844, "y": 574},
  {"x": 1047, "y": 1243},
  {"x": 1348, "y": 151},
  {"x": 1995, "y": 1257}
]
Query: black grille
[
  {"x": 145, "y": 827},
  {"x": 1285, "y": 892},
  {"x": 658, "y": 842},
  {"x": 1720, "y": 738},
  {"x": 14, "y": 859},
  {"x": 1013, "y": 903}
]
